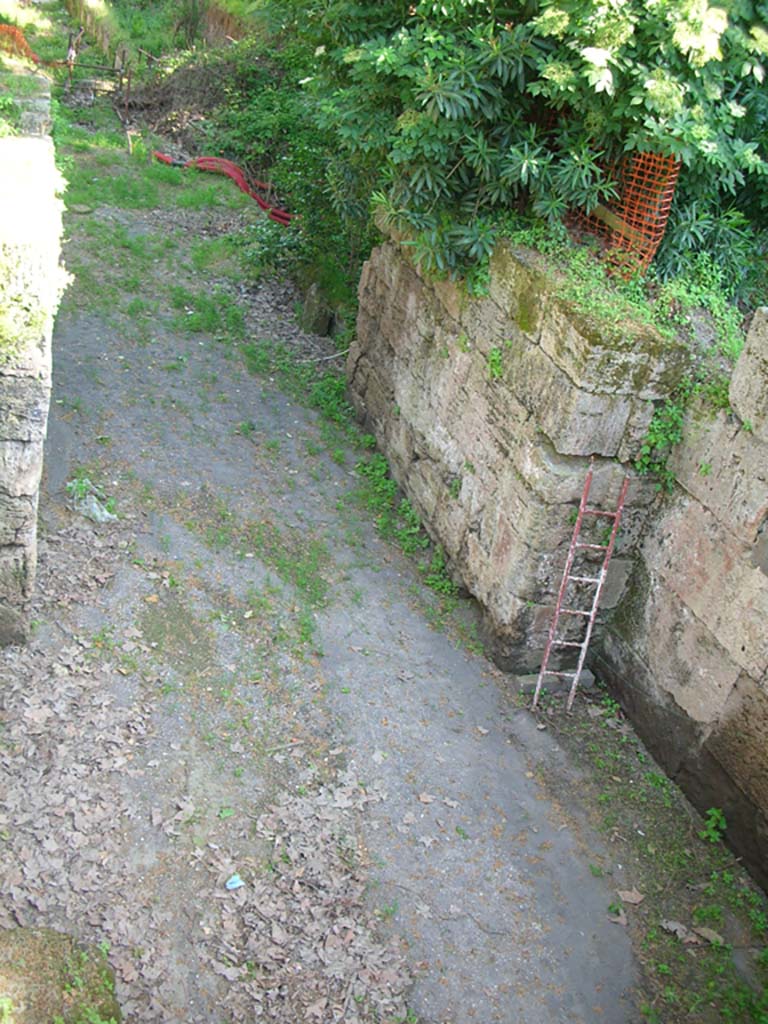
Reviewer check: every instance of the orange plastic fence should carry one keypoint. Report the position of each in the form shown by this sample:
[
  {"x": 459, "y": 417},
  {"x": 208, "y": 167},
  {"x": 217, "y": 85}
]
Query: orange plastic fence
[
  {"x": 12, "y": 41},
  {"x": 633, "y": 225}
]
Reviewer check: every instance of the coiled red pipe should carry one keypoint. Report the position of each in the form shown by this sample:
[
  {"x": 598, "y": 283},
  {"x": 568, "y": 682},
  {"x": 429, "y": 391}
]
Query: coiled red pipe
[{"x": 219, "y": 165}]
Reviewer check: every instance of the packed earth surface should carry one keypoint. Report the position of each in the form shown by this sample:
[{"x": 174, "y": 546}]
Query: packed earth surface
[
  {"x": 237, "y": 676},
  {"x": 246, "y": 751}
]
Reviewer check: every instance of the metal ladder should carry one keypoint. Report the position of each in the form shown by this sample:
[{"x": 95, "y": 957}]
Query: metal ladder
[{"x": 568, "y": 577}]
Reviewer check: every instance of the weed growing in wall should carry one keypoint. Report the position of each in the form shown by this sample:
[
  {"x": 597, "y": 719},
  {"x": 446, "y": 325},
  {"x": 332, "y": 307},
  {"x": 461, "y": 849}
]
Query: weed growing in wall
[{"x": 665, "y": 430}]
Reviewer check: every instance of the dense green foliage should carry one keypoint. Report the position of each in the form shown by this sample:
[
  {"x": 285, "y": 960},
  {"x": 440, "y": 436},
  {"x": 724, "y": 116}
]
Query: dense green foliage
[
  {"x": 472, "y": 108},
  {"x": 268, "y": 123},
  {"x": 464, "y": 119}
]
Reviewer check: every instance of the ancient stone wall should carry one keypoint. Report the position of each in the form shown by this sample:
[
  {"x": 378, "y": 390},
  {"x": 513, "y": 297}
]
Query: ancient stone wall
[
  {"x": 688, "y": 648},
  {"x": 489, "y": 411},
  {"x": 30, "y": 286}
]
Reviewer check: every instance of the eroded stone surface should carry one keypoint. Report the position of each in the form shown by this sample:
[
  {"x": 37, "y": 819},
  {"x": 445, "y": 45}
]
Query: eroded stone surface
[
  {"x": 747, "y": 392},
  {"x": 30, "y": 281},
  {"x": 688, "y": 649}
]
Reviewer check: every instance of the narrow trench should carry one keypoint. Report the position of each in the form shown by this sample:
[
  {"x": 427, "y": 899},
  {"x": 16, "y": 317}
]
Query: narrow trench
[{"x": 244, "y": 750}]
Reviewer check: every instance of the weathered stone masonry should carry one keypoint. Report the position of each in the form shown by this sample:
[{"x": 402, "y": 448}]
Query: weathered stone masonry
[
  {"x": 688, "y": 647},
  {"x": 495, "y": 460},
  {"x": 30, "y": 286}
]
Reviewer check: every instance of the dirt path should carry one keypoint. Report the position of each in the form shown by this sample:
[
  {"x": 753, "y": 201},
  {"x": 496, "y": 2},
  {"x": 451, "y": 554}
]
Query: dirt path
[{"x": 239, "y": 677}]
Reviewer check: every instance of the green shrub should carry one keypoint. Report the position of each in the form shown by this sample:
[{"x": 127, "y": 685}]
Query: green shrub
[
  {"x": 270, "y": 124},
  {"x": 468, "y": 108}
]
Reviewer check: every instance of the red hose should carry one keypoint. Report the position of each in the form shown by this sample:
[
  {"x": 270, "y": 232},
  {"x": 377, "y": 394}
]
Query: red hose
[{"x": 219, "y": 165}]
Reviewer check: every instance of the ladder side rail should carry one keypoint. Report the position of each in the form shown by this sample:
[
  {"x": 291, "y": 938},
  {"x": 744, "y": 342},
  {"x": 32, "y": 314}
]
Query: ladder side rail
[
  {"x": 598, "y": 593},
  {"x": 563, "y": 584}
]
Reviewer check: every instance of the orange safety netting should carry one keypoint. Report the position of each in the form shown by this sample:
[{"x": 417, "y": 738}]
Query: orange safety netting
[
  {"x": 633, "y": 225},
  {"x": 12, "y": 41}
]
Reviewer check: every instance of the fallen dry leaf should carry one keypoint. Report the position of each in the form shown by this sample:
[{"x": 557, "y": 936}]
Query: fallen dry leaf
[
  {"x": 631, "y": 896},
  {"x": 711, "y": 936},
  {"x": 675, "y": 928}
]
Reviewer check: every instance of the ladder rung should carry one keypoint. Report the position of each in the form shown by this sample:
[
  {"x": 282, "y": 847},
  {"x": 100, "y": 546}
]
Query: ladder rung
[{"x": 595, "y": 581}]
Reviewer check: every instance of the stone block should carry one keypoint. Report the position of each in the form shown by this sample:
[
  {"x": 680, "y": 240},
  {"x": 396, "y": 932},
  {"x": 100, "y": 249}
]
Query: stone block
[
  {"x": 638, "y": 421},
  {"x": 726, "y": 468},
  {"x": 21, "y": 465},
  {"x": 740, "y": 739},
  {"x": 424, "y": 484},
  {"x": 450, "y": 525},
  {"x": 24, "y": 405},
  {"x": 18, "y": 519},
  {"x": 554, "y": 685},
  {"x": 36, "y": 116},
  {"x": 14, "y": 626},
  {"x": 712, "y": 574},
  {"x": 517, "y": 286},
  {"x": 316, "y": 313},
  {"x": 668, "y": 732},
  {"x": 559, "y": 479},
  {"x": 576, "y": 422},
  {"x": 17, "y": 569},
  {"x": 749, "y": 384},
  {"x": 616, "y": 580},
  {"x": 631, "y": 360},
  {"x": 685, "y": 658},
  {"x": 450, "y": 299},
  {"x": 483, "y": 319}
]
